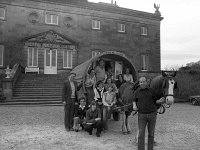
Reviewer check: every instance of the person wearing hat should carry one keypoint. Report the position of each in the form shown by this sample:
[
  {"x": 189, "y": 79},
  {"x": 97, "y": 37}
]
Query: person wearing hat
[
  {"x": 80, "y": 114},
  {"x": 69, "y": 98},
  {"x": 93, "y": 119}
]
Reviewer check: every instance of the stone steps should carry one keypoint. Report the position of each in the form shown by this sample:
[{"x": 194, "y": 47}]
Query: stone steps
[{"x": 33, "y": 89}]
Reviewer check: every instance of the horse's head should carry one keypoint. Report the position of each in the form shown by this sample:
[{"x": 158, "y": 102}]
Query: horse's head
[{"x": 168, "y": 86}]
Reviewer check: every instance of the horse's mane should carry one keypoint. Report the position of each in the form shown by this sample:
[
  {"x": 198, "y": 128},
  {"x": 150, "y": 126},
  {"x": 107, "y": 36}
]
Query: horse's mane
[
  {"x": 157, "y": 85},
  {"x": 124, "y": 86},
  {"x": 126, "y": 92}
]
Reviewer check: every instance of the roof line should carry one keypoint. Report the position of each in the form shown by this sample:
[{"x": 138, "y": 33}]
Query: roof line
[{"x": 112, "y": 9}]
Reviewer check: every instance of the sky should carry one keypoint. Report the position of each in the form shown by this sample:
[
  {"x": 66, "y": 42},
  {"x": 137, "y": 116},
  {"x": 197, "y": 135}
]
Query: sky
[{"x": 180, "y": 28}]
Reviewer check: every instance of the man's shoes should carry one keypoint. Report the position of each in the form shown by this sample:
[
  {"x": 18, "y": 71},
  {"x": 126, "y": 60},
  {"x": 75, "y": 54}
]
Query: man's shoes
[
  {"x": 76, "y": 130},
  {"x": 67, "y": 129},
  {"x": 98, "y": 134}
]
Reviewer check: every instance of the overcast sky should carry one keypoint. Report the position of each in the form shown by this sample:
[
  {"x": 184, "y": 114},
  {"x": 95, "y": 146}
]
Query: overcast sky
[{"x": 180, "y": 28}]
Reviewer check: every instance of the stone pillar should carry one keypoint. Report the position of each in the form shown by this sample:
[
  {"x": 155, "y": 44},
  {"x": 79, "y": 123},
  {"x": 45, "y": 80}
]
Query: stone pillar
[{"x": 8, "y": 88}]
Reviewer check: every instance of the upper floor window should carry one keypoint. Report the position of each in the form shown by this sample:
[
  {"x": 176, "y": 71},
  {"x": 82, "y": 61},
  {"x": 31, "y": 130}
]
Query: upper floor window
[
  {"x": 121, "y": 27},
  {"x": 1, "y": 54},
  {"x": 32, "y": 57},
  {"x": 95, "y": 24},
  {"x": 144, "y": 62},
  {"x": 2, "y": 13},
  {"x": 144, "y": 31},
  {"x": 67, "y": 58},
  {"x": 51, "y": 19},
  {"x": 95, "y": 53}
]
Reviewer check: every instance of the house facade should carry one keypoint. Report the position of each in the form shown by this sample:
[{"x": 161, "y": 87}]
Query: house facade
[{"x": 54, "y": 36}]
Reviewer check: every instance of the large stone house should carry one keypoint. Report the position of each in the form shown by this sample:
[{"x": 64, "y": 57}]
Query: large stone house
[{"x": 57, "y": 35}]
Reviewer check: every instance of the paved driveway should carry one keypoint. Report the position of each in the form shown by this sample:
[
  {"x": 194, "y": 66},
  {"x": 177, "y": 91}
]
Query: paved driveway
[{"x": 41, "y": 128}]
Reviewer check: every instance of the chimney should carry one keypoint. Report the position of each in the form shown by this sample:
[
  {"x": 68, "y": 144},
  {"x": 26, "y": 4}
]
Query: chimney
[{"x": 111, "y": 1}]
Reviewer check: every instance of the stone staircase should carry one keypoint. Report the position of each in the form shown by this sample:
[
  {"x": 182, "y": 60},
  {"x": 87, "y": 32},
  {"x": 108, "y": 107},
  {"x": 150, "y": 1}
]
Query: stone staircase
[{"x": 34, "y": 89}]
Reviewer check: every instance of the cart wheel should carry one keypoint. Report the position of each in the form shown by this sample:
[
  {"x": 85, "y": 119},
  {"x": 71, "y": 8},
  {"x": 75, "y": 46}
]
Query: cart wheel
[{"x": 194, "y": 101}]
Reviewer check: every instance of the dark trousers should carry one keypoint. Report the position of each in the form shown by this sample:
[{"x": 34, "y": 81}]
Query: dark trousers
[
  {"x": 90, "y": 95},
  {"x": 100, "y": 106},
  {"x": 69, "y": 115},
  {"x": 148, "y": 120},
  {"x": 98, "y": 125}
]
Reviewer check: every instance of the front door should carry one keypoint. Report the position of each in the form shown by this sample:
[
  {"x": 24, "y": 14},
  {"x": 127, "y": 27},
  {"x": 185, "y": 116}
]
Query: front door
[{"x": 50, "y": 61}]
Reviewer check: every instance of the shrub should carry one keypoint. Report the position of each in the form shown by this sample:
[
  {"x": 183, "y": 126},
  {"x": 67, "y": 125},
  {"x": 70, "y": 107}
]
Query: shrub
[{"x": 188, "y": 83}]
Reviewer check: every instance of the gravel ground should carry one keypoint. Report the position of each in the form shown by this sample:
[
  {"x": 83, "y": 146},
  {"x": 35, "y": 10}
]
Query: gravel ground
[{"x": 42, "y": 128}]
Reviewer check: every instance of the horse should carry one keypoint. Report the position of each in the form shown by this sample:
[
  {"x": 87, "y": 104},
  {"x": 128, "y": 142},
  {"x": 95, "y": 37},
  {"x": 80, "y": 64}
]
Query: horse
[
  {"x": 163, "y": 85},
  {"x": 126, "y": 92}
]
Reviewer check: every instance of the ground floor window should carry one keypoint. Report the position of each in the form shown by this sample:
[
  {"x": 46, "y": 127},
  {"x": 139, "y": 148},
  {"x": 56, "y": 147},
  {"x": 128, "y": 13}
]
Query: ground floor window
[
  {"x": 32, "y": 57},
  {"x": 1, "y": 54},
  {"x": 144, "y": 62},
  {"x": 51, "y": 58},
  {"x": 67, "y": 58}
]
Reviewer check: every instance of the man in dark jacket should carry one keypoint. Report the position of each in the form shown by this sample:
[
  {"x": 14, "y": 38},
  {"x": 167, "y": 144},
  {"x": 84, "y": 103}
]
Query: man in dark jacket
[
  {"x": 145, "y": 102},
  {"x": 93, "y": 119},
  {"x": 80, "y": 114},
  {"x": 69, "y": 98}
]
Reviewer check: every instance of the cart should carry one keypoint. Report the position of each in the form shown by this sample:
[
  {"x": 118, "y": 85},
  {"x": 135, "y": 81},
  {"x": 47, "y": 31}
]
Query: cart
[{"x": 115, "y": 60}]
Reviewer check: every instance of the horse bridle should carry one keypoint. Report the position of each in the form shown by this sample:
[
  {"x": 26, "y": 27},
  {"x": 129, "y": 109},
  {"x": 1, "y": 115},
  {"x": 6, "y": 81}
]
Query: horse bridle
[{"x": 163, "y": 107}]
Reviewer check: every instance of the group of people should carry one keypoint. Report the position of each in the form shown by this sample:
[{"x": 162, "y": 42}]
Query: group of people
[{"x": 93, "y": 109}]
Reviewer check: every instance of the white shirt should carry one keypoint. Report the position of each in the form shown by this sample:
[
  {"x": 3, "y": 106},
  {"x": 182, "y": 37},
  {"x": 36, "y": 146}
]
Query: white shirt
[
  {"x": 109, "y": 98},
  {"x": 128, "y": 78}
]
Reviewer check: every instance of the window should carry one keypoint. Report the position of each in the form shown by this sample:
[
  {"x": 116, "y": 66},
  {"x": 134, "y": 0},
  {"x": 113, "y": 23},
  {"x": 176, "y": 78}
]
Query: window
[
  {"x": 143, "y": 30},
  {"x": 51, "y": 19},
  {"x": 1, "y": 54},
  {"x": 144, "y": 62},
  {"x": 2, "y": 13},
  {"x": 67, "y": 58},
  {"x": 95, "y": 24},
  {"x": 121, "y": 27},
  {"x": 95, "y": 53},
  {"x": 32, "y": 57}
]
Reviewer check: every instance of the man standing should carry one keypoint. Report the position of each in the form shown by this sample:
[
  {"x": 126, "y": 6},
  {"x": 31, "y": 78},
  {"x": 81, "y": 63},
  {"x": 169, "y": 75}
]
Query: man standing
[
  {"x": 145, "y": 102},
  {"x": 69, "y": 98}
]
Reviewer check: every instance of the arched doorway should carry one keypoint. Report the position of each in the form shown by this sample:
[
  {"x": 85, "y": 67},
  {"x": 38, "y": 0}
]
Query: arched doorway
[{"x": 119, "y": 60}]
